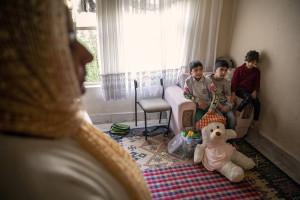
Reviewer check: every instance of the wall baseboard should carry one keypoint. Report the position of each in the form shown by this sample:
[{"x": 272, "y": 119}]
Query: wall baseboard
[
  {"x": 123, "y": 117},
  {"x": 275, "y": 154}
]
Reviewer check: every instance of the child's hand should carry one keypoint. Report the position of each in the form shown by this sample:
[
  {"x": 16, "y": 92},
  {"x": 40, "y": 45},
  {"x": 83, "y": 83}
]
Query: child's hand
[
  {"x": 202, "y": 105},
  {"x": 232, "y": 98},
  {"x": 219, "y": 106},
  {"x": 211, "y": 111},
  {"x": 224, "y": 109},
  {"x": 253, "y": 94}
]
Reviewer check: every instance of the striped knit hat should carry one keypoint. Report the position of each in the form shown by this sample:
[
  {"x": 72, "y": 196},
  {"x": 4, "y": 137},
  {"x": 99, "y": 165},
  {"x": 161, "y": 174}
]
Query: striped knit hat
[{"x": 207, "y": 119}]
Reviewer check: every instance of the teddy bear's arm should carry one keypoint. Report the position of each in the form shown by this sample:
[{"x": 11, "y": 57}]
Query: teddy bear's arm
[
  {"x": 230, "y": 134},
  {"x": 199, "y": 153}
]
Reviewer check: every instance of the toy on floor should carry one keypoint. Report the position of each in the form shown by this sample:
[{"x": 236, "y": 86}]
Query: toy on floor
[
  {"x": 216, "y": 154},
  {"x": 190, "y": 140},
  {"x": 183, "y": 144}
]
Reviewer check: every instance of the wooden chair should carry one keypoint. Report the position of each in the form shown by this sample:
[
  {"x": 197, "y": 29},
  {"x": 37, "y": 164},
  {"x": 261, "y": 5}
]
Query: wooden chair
[{"x": 152, "y": 105}]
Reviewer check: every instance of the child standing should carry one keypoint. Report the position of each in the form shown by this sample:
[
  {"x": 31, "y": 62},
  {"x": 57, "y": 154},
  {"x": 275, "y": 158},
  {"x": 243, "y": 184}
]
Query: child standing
[
  {"x": 245, "y": 84},
  {"x": 224, "y": 105},
  {"x": 197, "y": 88}
]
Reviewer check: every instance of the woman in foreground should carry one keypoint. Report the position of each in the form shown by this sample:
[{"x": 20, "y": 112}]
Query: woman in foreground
[{"x": 48, "y": 151}]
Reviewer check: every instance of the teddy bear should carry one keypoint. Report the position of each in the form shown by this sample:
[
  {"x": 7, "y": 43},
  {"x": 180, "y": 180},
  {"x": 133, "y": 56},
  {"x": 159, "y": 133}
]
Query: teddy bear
[{"x": 215, "y": 153}]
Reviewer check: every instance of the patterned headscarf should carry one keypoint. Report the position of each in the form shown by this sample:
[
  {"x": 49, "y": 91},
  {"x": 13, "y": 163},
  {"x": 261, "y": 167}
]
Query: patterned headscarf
[{"x": 39, "y": 89}]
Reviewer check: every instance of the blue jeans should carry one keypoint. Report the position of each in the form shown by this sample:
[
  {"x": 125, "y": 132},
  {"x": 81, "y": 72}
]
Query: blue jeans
[{"x": 230, "y": 118}]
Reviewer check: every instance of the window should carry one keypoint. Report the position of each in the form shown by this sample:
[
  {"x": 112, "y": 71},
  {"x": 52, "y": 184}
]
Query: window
[
  {"x": 145, "y": 40},
  {"x": 84, "y": 17},
  {"x": 152, "y": 36}
]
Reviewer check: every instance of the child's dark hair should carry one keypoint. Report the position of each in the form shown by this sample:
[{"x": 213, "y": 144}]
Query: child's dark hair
[
  {"x": 221, "y": 63},
  {"x": 194, "y": 64},
  {"x": 251, "y": 56}
]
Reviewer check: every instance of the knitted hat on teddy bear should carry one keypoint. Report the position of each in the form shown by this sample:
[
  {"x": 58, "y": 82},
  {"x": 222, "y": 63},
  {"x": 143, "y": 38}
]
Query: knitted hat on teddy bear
[{"x": 207, "y": 119}]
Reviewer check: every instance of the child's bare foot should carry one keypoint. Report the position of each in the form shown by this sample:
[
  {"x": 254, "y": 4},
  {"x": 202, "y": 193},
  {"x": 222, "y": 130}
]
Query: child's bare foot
[
  {"x": 237, "y": 115},
  {"x": 255, "y": 124}
]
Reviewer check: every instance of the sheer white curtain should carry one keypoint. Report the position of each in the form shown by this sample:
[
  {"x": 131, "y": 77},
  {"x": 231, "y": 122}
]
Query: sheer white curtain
[{"x": 151, "y": 39}]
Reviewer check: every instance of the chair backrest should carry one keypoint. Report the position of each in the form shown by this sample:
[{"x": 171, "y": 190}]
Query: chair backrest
[
  {"x": 136, "y": 86},
  {"x": 135, "y": 94},
  {"x": 163, "y": 88}
]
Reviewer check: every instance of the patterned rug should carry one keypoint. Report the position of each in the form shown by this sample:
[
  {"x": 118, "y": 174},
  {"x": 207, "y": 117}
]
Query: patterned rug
[
  {"x": 195, "y": 182},
  {"x": 267, "y": 179}
]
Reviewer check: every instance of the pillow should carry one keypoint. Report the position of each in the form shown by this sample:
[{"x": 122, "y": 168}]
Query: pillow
[
  {"x": 228, "y": 60},
  {"x": 230, "y": 73}
]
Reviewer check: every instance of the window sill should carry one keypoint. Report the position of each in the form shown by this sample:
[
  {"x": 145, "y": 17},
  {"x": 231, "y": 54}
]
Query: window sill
[{"x": 91, "y": 84}]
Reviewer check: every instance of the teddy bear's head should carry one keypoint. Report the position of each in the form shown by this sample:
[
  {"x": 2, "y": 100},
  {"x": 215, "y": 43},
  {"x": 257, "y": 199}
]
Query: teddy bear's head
[
  {"x": 216, "y": 132},
  {"x": 213, "y": 129}
]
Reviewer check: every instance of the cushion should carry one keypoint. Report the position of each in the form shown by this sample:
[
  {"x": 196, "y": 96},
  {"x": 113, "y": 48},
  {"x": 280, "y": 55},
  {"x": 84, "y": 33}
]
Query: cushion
[
  {"x": 228, "y": 60},
  {"x": 231, "y": 67},
  {"x": 154, "y": 105}
]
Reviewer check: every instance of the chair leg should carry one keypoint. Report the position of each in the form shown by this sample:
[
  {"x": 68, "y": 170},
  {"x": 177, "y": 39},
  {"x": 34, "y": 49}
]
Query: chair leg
[
  {"x": 160, "y": 117},
  {"x": 135, "y": 114},
  {"x": 168, "y": 130},
  {"x": 145, "y": 125}
]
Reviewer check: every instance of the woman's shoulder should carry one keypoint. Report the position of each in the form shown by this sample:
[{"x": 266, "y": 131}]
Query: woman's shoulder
[{"x": 54, "y": 165}]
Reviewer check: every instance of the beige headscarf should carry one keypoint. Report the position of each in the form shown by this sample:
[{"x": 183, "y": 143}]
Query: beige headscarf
[{"x": 39, "y": 88}]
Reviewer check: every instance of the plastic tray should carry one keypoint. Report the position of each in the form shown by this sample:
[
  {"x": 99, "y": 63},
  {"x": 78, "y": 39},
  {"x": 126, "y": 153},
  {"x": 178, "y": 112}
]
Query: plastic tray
[{"x": 175, "y": 143}]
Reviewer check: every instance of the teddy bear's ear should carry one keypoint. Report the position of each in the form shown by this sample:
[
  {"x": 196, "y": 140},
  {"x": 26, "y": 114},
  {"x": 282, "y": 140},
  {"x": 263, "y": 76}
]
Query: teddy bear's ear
[
  {"x": 230, "y": 134},
  {"x": 205, "y": 134}
]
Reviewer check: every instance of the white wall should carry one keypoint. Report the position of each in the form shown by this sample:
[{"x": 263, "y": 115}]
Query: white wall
[
  {"x": 104, "y": 112},
  {"x": 272, "y": 27},
  {"x": 95, "y": 104}
]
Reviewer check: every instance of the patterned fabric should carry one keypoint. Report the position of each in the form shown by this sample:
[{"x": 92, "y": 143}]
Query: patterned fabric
[
  {"x": 39, "y": 87},
  {"x": 195, "y": 182},
  {"x": 188, "y": 95},
  {"x": 198, "y": 89},
  {"x": 118, "y": 86},
  {"x": 187, "y": 118},
  {"x": 149, "y": 153},
  {"x": 200, "y": 114},
  {"x": 207, "y": 119},
  {"x": 223, "y": 90},
  {"x": 247, "y": 111}
]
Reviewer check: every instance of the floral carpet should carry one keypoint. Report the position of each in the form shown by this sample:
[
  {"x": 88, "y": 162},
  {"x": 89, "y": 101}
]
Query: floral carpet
[{"x": 267, "y": 179}]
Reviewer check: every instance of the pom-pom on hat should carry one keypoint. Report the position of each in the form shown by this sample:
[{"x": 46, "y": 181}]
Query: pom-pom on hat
[{"x": 207, "y": 119}]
